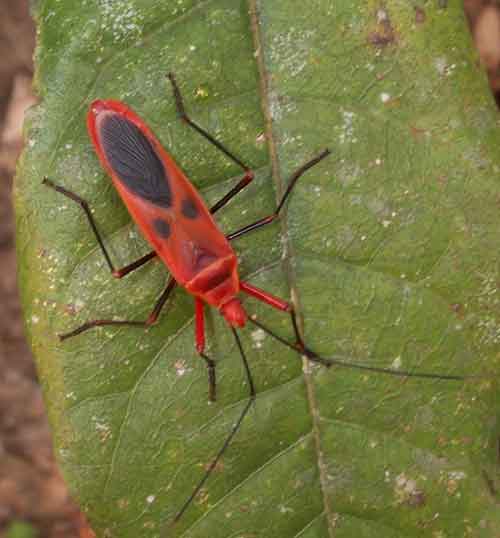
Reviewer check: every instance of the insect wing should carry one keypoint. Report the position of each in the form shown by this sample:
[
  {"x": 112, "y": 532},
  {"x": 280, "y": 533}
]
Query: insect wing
[{"x": 167, "y": 208}]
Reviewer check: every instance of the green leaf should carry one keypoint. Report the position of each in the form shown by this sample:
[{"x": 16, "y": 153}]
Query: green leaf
[
  {"x": 20, "y": 529},
  {"x": 389, "y": 248}
]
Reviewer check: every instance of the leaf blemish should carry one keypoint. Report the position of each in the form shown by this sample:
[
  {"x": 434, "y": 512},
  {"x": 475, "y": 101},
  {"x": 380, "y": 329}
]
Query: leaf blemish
[
  {"x": 180, "y": 368},
  {"x": 407, "y": 492},
  {"x": 291, "y": 50},
  {"x": 443, "y": 68},
  {"x": 396, "y": 363},
  {"x": 258, "y": 336},
  {"x": 122, "y": 19},
  {"x": 347, "y": 128}
]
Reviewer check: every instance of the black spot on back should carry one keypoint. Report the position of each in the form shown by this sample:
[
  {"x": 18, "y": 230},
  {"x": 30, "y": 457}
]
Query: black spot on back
[
  {"x": 134, "y": 160},
  {"x": 189, "y": 209},
  {"x": 162, "y": 227}
]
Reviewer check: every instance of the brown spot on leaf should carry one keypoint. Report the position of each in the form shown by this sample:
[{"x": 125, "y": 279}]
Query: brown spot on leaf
[
  {"x": 202, "y": 497},
  {"x": 442, "y": 180},
  {"x": 407, "y": 492},
  {"x": 417, "y": 499},
  {"x": 383, "y": 34},
  {"x": 420, "y": 15},
  {"x": 70, "y": 309},
  {"x": 417, "y": 132},
  {"x": 379, "y": 39},
  {"x": 458, "y": 308}
]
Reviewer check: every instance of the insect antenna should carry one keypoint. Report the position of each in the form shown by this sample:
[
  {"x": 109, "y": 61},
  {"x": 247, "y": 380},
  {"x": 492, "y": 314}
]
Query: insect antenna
[
  {"x": 232, "y": 433},
  {"x": 313, "y": 356}
]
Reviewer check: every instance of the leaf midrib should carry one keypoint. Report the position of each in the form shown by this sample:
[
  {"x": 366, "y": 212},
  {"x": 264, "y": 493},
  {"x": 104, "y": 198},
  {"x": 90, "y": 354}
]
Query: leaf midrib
[{"x": 289, "y": 252}]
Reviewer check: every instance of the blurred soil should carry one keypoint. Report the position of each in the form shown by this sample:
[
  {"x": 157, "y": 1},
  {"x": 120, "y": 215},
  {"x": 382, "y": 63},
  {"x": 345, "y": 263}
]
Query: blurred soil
[{"x": 31, "y": 488}]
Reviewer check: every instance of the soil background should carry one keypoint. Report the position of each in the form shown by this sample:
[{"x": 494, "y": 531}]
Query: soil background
[{"x": 34, "y": 501}]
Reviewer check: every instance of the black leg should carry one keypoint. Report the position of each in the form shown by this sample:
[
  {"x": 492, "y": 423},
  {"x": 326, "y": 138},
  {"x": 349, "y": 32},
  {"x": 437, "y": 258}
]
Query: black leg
[
  {"x": 141, "y": 324},
  {"x": 300, "y": 347},
  {"x": 212, "y": 391},
  {"x": 244, "y": 181},
  {"x": 297, "y": 346},
  {"x": 171, "y": 285},
  {"x": 199, "y": 319},
  {"x": 234, "y": 430},
  {"x": 313, "y": 356},
  {"x": 179, "y": 103},
  {"x": 117, "y": 273},
  {"x": 120, "y": 273},
  {"x": 293, "y": 181},
  {"x": 247, "y": 178}
]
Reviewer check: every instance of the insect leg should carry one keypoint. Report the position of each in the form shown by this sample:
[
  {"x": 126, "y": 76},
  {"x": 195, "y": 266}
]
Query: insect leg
[
  {"x": 179, "y": 103},
  {"x": 232, "y": 433},
  {"x": 279, "y": 304},
  {"x": 117, "y": 273},
  {"x": 293, "y": 181},
  {"x": 149, "y": 321},
  {"x": 200, "y": 346},
  {"x": 249, "y": 175},
  {"x": 244, "y": 181},
  {"x": 120, "y": 273},
  {"x": 301, "y": 348}
]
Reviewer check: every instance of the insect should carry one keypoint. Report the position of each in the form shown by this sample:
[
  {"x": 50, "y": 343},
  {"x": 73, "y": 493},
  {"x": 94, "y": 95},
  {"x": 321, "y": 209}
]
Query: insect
[{"x": 179, "y": 226}]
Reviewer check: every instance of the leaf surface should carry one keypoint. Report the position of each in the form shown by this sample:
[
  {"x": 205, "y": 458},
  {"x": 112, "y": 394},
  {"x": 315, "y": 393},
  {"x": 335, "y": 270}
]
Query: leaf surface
[{"x": 389, "y": 249}]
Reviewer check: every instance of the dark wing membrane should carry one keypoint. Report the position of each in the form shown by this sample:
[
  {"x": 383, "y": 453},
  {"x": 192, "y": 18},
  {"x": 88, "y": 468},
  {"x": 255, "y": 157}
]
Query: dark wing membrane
[{"x": 134, "y": 160}]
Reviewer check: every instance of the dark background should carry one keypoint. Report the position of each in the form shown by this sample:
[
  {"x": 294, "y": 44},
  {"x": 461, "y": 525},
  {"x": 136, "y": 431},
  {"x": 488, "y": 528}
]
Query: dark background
[{"x": 34, "y": 501}]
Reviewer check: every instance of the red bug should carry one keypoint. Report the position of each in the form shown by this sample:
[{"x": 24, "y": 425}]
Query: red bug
[{"x": 175, "y": 220}]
